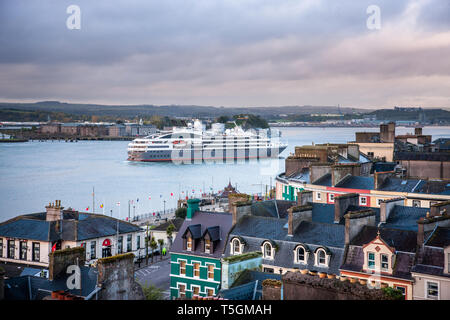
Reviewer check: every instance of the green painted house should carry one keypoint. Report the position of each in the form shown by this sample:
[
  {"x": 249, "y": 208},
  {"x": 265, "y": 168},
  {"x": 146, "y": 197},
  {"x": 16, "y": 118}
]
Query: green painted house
[{"x": 197, "y": 251}]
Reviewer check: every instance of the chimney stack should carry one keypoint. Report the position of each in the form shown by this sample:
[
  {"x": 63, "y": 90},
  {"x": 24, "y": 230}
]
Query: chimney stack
[
  {"x": 418, "y": 131},
  {"x": 296, "y": 215},
  {"x": 386, "y": 207},
  {"x": 429, "y": 223},
  {"x": 304, "y": 197},
  {"x": 54, "y": 211},
  {"x": 239, "y": 204},
  {"x": 380, "y": 177},
  {"x": 341, "y": 204},
  {"x": 355, "y": 221},
  {"x": 59, "y": 260},
  {"x": 192, "y": 207}
]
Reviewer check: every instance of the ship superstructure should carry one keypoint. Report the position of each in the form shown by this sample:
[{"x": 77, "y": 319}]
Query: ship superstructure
[{"x": 193, "y": 144}]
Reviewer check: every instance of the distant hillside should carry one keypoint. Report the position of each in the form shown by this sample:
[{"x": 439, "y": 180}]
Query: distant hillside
[
  {"x": 131, "y": 111},
  {"x": 413, "y": 114}
]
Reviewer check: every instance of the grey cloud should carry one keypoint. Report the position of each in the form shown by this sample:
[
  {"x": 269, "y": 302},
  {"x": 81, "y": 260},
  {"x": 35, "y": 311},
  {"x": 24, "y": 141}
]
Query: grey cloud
[{"x": 226, "y": 52}]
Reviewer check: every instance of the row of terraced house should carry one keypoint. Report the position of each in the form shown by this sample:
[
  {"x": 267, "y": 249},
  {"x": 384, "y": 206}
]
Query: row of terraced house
[{"x": 403, "y": 247}]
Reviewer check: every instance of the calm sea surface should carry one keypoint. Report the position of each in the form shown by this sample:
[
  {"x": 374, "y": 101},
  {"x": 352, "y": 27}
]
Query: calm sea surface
[{"x": 34, "y": 173}]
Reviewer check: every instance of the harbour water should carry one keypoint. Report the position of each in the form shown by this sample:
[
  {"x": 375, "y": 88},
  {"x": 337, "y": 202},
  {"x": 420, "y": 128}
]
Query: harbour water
[{"x": 34, "y": 173}]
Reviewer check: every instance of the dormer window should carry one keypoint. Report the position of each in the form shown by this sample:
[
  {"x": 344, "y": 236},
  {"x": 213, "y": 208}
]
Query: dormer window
[
  {"x": 322, "y": 257},
  {"x": 189, "y": 243},
  {"x": 210, "y": 238},
  {"x": 378, "y": 256},
  {"x": 236, "y": 246},
  {"x": 268, "y": 250},
  {"x": 301, "y": 254},
  {"x": 207, "y": 246}
]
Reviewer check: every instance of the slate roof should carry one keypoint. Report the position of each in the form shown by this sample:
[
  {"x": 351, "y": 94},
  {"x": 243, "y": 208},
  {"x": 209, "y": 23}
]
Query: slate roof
[
  {"x": 205, "y": 220},
  {"x": 35, "y": 288},
  {"x": 74, "y": 227},
  {"x": 383, "y": 166},
  {"x": 401, "y": 240},
  {"x": 177, "y": 223},
  {"x": 401, "y": 185},
  {"x": 323, "y": 212},
  {"x": 272, "y": 208},
  {"x": 195, "y": 230},
  {"x": 325, "y": 180},
  {"x": 302, "y": 176},
  {"x": 255, "y": 230},
  {"x": 439, "y": 238},
  {"x": 356, "y": 182},
  {"x": 405, "y": 218},
  {"x": 214, "y": 233},
  {"x": 431, "y": 261}
]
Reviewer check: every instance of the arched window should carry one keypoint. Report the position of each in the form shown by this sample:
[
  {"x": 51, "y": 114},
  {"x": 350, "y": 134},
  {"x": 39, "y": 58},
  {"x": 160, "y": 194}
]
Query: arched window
[
  {"x": 321, "y": 257},
  {"x": 301, "y": 254},
  {"x": 267, "y": 250},
  {"x": 236, "y": 246}
]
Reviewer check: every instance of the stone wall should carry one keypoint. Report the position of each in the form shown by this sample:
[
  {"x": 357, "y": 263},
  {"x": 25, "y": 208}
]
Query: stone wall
[
  {"x": 297, "y": 286},
  {"x": 59, "y": 260},
  {"x": 116, "y": 278},
  {"x": 271, "y": 289}
]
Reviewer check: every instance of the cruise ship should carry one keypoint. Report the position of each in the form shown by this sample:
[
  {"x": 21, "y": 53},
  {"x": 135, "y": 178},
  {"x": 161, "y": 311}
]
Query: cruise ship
[{"x": 194, "y": 144}]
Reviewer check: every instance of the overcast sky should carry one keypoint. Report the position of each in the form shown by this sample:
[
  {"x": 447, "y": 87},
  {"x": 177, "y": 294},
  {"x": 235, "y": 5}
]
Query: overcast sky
[{"x": 227, "y": 52}]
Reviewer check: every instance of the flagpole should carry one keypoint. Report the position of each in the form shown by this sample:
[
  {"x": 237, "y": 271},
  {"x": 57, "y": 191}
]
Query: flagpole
[{"x": 93, "y": 200}]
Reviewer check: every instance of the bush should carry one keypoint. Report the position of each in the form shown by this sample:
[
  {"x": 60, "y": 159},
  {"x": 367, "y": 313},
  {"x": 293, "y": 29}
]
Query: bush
[
  {"x": 392, "y": 293},
  {"x": 152, "y": 292},
  {"x": 181, "y": 212}
]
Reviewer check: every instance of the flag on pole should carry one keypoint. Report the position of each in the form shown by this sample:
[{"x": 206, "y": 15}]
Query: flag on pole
[
  {"x": 118, "y": 204},
  {"x": 149, "y": 198},
  {"x": 87, "y": 209},
  {"x": 171, "y": 193},
  {"x": 101, "y": 206},
  {"x": 137, "y": 200},
  {"x": 54, "y": 247}
]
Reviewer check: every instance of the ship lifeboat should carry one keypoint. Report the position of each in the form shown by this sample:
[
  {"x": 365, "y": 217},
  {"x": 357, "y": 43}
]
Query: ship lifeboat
[{"x": 179, "y": 143}]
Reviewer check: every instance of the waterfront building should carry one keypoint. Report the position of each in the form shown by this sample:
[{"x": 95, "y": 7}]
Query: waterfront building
[
  {"x": 160, "y": 231},
  {"x": 196, "y": 253},
  {"x": 28, "y": 239},
  {"x": 372, "y": 190}
]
